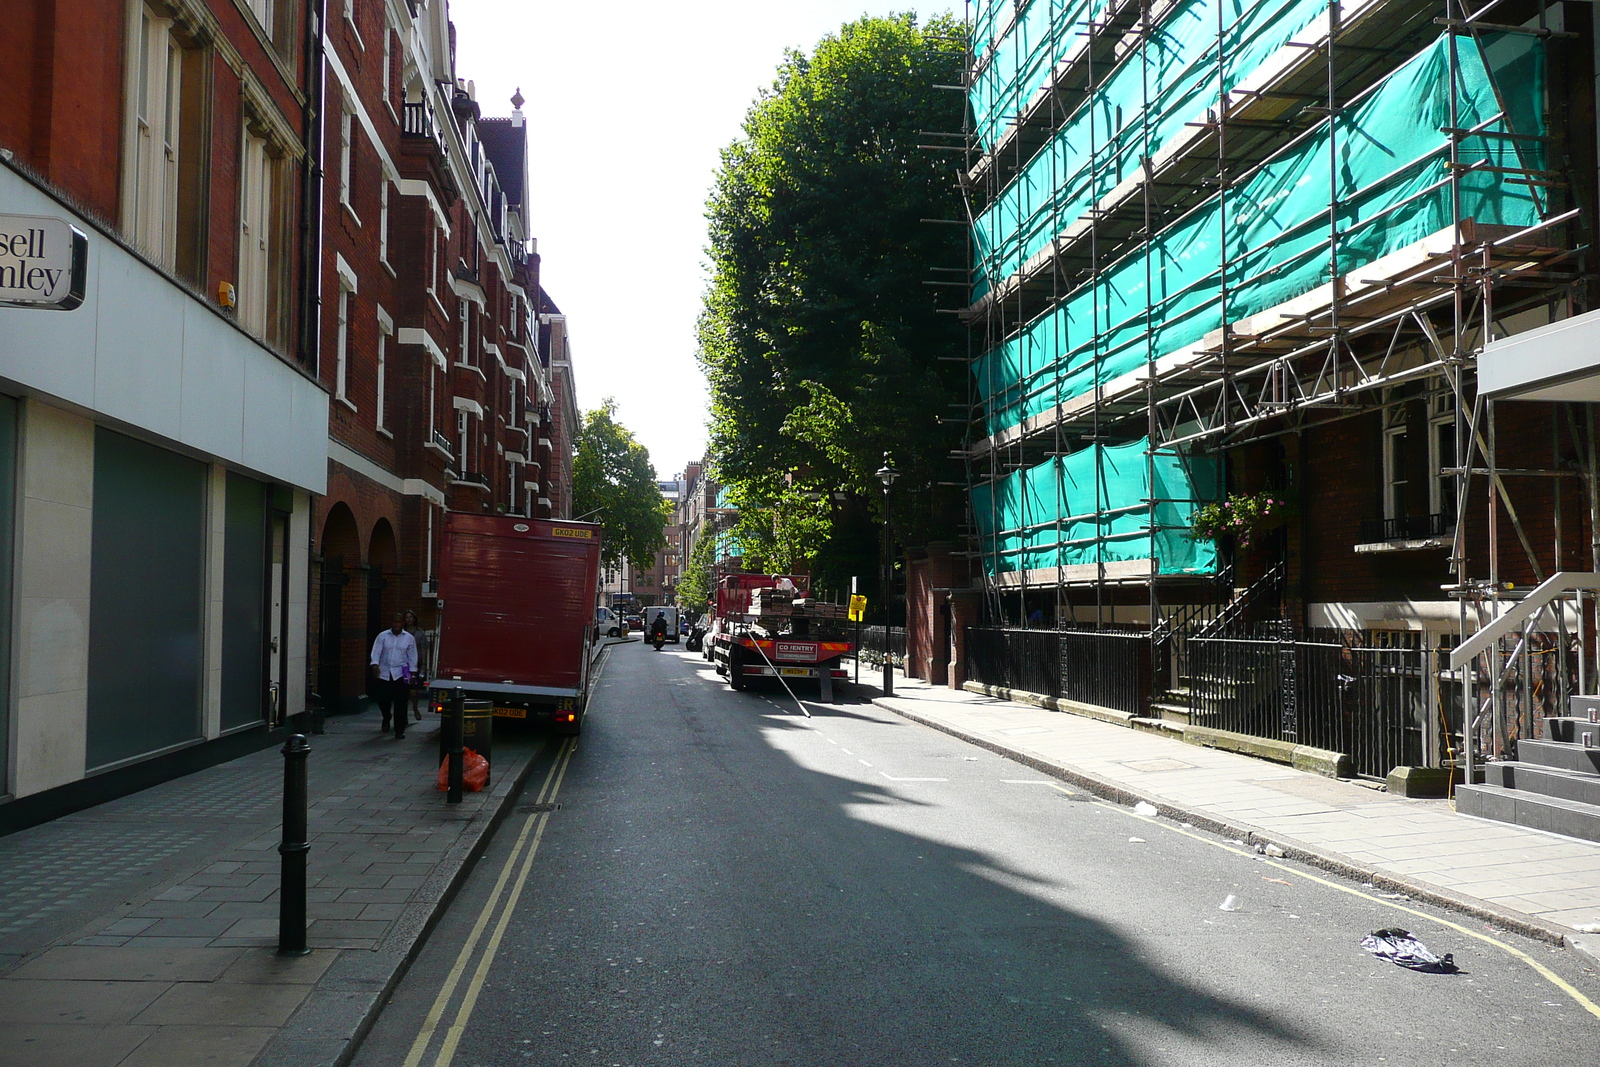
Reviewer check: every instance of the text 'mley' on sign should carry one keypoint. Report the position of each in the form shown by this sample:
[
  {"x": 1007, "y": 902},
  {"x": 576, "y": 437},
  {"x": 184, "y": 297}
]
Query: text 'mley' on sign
[{"x": 44, "y": 263}]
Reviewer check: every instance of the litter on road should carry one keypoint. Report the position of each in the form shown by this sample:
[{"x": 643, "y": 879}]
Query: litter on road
[
  {"x": 1144, "y": 807},
  {"x": 1400, "y": 948},
  {"x": 1229, "y": 903}
]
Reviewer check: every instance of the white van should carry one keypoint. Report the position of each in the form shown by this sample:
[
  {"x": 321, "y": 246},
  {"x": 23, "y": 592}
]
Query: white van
[
  {"x": 607, "y": 623},
  {"x": 670, "y": 613}
]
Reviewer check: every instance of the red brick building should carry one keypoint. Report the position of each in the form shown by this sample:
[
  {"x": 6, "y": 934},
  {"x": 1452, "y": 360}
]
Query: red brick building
[
  {"x": 162, "y": 426},
  {"x": 431, "y": 326}
]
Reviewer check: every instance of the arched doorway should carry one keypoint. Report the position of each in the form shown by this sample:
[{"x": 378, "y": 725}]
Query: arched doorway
[
  {"x": 341, "y": 662},
  {"x": 383, "y": 565}
]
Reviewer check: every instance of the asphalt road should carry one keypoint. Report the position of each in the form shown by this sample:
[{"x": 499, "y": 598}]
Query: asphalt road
[{"x": 710, "y": 878}]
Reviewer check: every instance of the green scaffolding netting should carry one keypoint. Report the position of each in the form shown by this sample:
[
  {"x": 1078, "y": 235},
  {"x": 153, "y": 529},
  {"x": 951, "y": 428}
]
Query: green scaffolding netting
[
  {"x": 1392, "y": 189},
  {"x": 1016, "y": 58},
  {"x": 1092, "y": 507},
  {"x": 1103, "y": 140}
]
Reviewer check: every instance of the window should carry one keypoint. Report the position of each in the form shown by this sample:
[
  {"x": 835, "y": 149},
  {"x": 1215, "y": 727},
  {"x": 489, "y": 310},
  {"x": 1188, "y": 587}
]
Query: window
[
  {"x": 461, "y": 436},
  {"x": 433, "y": 403},
  {"x": 385, "y": 331},
  {"x": 1395, "y": 465},
  {"x": 341, "y": 368},
  {"x": 276, "y": 18},
  {"x": 166, "y": 83},
  {"x": 433, "y": 263},
  {"x": 350, "y": 21},
  {"x": 466, "y": 331},
  {"x": 346, "y": 135},
  {"x": 1442, "y": 454},
  {"x": 256, "y": 196},
  {"x": 383, "y": 221}
]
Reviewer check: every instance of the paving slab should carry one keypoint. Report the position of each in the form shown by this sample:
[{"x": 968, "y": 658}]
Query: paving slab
[
  {"x": 1534, "y": 882},
  {"x": 143, "y": 932}
]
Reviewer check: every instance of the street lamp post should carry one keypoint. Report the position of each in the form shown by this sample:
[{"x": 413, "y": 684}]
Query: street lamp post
[{"x": 887, "y": 474}]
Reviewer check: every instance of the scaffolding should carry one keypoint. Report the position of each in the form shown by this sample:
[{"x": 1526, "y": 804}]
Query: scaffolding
[{"x": 1202, "y": 223}]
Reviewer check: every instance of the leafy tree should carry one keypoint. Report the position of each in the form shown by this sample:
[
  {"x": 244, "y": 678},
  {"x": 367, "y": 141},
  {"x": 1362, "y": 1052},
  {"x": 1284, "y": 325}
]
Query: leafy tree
[
  {"x": 818, "y": 336},
  {"x": 612, "y": 477},
  {"x": 699, "y": 575}
]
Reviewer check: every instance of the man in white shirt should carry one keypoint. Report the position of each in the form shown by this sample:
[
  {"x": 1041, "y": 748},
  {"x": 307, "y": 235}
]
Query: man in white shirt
[{"x": 394, "y": 659}]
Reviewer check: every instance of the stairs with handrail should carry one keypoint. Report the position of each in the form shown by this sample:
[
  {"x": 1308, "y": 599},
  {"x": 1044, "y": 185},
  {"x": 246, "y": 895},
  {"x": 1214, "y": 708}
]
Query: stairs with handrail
[{"x": 1553, "y": 784}]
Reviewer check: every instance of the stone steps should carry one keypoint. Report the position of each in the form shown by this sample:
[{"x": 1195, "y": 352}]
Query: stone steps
[
  {"x": 1537, "y": 812},
  {"x": 1545, "y": 781},
  {"x": 1560, "y": 756},
  {"x": 1551, "y": 785}
]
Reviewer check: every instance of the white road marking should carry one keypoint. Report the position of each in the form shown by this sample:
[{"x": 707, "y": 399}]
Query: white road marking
[
  {"x": 847, "y": 752},
  {"x": 892, "y": 778},
  {"x": 1024, "y": 781}
]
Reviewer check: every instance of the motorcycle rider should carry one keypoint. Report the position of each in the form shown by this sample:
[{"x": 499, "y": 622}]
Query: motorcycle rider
[{"x": 658, "y": 631}]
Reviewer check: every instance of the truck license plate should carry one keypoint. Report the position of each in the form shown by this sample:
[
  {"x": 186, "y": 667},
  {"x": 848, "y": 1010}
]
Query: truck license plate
[
  {"x": 794, "y": 672},
  {"x": 511, "y": 713}
]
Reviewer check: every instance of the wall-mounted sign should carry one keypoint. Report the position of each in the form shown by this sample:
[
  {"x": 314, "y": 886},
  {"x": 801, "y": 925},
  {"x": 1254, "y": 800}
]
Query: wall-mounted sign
[{"x": 44, "y": 263}]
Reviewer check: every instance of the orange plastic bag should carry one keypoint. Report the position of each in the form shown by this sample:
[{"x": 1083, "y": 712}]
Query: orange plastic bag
[{"x": 474, "y": 773}]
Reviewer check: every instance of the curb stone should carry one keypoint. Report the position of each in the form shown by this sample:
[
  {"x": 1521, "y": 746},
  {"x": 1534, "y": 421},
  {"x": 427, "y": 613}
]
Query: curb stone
[
  {"x": 1323, "y": 859},
  {"x": 328, "y": 1027}
]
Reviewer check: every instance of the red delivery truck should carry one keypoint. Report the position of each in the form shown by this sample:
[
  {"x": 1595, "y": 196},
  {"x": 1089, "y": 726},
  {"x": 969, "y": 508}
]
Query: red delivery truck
[{"x": 516, "y": 619}]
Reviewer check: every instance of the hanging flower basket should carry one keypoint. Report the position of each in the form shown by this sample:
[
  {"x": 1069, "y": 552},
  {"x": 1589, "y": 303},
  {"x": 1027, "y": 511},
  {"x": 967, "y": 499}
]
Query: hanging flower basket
[{"x": 1243, "y": 515}]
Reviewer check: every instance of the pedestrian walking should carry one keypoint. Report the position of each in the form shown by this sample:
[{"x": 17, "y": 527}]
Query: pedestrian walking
[
  {"x": 419, "y": 678},
  {"x": 394, "y": 661}
]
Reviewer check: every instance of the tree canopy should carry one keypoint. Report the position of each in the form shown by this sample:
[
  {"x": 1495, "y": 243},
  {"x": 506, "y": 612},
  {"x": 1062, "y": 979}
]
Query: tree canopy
[
  {"x": 613, "y": 479},
  {"x": 819, "y": 337}
]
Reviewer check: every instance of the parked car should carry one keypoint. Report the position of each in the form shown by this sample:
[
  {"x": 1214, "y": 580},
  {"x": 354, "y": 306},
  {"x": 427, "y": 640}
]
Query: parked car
[
  {"x": 607, "y": 622},
  {"x": 636, "y": 622}
]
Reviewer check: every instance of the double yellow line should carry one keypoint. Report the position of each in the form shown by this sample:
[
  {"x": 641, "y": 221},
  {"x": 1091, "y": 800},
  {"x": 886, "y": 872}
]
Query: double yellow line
[{"x": 524, "y": 850}]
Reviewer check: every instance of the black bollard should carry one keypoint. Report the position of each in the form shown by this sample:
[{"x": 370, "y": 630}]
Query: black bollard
[
  {"x": 293, "y": 850},
  {"x": 455, "y": 750}
]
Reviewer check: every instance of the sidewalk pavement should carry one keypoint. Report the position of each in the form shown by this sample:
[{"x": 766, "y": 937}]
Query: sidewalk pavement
[
  {"x": 143, "y": 931},
  {"x": 1529, "y": 881}
]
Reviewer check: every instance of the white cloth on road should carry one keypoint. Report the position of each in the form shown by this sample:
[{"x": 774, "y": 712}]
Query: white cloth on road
[{"x": 392, "y": 651}]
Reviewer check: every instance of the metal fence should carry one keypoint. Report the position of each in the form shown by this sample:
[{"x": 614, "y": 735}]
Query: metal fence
[
  {"x": 1374, "y": 695},
  {"x": 873, "y": 639},
  {"x": 1029, "y": 660},
  {"x": 1384, "y": 698},
  {"x": 1107, "y": 668}
]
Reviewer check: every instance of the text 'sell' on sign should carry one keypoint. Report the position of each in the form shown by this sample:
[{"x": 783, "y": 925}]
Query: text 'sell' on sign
[{"x": 44, "y": 263}]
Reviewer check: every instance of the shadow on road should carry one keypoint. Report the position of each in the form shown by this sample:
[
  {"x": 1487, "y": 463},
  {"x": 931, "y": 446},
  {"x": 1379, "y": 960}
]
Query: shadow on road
[{"x": 774, "y": 915}]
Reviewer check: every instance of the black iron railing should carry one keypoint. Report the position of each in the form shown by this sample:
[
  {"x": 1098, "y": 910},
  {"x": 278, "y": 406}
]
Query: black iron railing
[
  {"x": 873, "y": 640},
  {"x": 1029, "y": 660},
  {"x": 1369, "y": 694},
  {"x": 1405, "y": 528},
  {"x": 1107, "y": 668}
]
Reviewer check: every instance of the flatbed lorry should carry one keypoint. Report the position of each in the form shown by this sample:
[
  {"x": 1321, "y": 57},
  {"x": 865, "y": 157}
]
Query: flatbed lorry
[
  {"x": 516, "y": 615},
  {"x": 767, "y": 626}
]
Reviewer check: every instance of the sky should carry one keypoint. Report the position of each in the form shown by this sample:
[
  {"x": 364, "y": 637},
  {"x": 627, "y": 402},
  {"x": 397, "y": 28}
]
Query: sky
[{"x": 629, "y": 104}]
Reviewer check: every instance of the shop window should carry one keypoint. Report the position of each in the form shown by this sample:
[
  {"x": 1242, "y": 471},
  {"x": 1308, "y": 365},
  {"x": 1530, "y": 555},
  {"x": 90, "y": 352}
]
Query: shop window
[{"x": 146, "y": 589}]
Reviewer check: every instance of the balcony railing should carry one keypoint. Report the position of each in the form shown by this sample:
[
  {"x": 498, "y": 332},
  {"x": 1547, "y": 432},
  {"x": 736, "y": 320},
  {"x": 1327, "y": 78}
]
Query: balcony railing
[
  {"x": 1406, "y": 528},
  {"x": 441, "y": 442},
  {"x": 418, "y": 120},
  {"x": 477, "y": 478}
]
